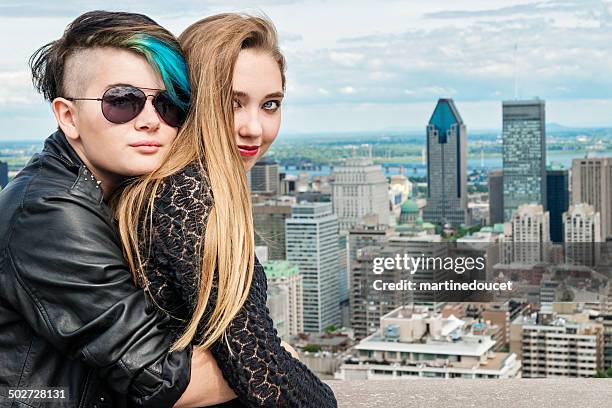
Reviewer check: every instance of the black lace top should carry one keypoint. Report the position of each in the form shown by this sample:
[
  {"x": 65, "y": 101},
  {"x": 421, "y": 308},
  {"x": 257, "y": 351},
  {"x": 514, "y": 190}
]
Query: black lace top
[{"x": 259, "y": 370}]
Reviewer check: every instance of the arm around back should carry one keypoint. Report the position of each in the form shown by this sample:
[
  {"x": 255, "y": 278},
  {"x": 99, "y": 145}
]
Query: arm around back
[{"x": 70, "y": 283}]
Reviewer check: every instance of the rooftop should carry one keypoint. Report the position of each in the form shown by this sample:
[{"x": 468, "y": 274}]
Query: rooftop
[
  {"x": 325, "y": 340},
  {"x": 468, "y": 346},
  {"x": 280, "y": 269},
  {"x": 498, "y": 228},
  {"x": 578, "y": 321}
]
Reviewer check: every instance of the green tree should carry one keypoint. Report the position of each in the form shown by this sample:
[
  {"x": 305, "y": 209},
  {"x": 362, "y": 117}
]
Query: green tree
[{"x": 331, "y": 328}]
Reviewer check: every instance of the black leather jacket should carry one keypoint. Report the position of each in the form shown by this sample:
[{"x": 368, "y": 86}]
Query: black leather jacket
[{"x": 69, "y": 314}]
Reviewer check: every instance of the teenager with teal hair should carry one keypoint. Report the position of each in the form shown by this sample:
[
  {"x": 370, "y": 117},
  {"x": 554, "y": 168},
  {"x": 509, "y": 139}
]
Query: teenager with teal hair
[{"x": 72, "y": 322}]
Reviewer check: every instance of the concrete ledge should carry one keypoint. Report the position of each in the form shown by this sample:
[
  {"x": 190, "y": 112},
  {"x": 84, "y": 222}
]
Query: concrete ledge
[{"x": 527, "y": 393}]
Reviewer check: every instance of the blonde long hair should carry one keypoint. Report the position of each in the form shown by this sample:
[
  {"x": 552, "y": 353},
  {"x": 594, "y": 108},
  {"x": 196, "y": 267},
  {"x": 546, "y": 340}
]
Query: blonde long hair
[{"x": 211, "y": 47}]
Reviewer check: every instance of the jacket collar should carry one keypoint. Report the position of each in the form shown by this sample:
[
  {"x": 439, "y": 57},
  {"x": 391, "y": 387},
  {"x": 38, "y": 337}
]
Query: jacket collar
[
  {"x": 85, "y": 184},
  {"x": 58, "y": 145}
]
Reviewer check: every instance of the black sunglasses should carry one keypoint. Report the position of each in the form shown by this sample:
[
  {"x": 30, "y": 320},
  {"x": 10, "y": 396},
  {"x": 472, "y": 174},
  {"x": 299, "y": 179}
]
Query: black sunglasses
[{"x": 122, "y": 103}]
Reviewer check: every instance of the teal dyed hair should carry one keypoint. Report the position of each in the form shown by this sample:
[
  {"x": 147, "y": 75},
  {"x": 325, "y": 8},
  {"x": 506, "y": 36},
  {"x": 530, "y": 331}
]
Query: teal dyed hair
[{"x": 169, "y": 62}]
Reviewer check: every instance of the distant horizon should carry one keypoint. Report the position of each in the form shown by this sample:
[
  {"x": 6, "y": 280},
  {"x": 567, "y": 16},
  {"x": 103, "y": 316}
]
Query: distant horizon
[
  {"x": 394, "y": 131},
  {"x": 552, "y": 127}
]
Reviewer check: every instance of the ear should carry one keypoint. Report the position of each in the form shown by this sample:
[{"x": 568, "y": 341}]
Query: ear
[{"x": 66, "y": 115}]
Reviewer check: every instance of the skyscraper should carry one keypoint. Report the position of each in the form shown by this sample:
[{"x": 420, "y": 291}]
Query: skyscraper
[
  {"x": 264, "y": 178},
  {"x": 3, "y": 174},
  {"x": 446, "y": 167},
  {"x": 524, "y": 157},
  {"x": 364, "y": 235},
  {"x": 527, "y": 235},
  {"x": 343, "y": 263},
  {"x": 269, "y": 221},
  {"x": 496, "y": 197},
  {"x": 557, "y": 197},
  {"x": 581, "y": 225},
  {"x": 360, "y": 237},
  {"x": 343, "y": 279},
  {"x": 592, "y": 184},
  {"x": 312, "y": 246},
  {"x": 367, "y": 304},
  {"x": 359, "y": 188}
]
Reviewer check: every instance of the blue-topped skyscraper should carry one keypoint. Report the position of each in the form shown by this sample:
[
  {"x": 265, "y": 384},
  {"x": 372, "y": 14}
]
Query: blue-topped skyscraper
[
  {"x": 524, "y": 157},
  {"x": 446, "y": 167}
]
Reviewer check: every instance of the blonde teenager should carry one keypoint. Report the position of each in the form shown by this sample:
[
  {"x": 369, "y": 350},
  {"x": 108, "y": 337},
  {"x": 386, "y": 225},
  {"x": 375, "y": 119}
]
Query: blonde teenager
[{"x": 187, "y": 228}]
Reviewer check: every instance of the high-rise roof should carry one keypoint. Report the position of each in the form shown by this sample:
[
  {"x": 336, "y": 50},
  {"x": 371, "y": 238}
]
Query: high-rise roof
[{"x": 444, "y": 116}]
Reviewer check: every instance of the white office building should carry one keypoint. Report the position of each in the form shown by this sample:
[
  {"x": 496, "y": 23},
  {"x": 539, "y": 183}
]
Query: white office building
[
  {"x": 312, "y": 246},
  {"x": 582, "y": 235},
  {"x": 359, "y": 188},
  {"x": 526, "y": 237}
]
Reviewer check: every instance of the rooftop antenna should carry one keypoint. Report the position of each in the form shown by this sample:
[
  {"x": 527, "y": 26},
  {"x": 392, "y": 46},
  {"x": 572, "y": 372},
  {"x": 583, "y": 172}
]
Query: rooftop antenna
[{"x": 515, "y": 71}]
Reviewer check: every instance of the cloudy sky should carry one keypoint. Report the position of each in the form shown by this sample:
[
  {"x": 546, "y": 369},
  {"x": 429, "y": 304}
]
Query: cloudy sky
[{"x": 364, "y": 65}]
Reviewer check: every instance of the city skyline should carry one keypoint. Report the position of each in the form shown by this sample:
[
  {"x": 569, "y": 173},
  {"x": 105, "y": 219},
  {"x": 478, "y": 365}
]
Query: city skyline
[
  {"x": 371, "y": 70},
  {"x": 325, "y": 232}
]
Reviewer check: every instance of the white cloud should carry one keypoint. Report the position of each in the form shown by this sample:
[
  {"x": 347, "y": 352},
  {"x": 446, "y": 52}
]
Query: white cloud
[
  {"x": 381, "y": 75},
  {"x": 431, "y": 91},
  {"x": 16, "y": 89},
  {"x": 562, "y": 89},
  {"x": 347, "y": 59},
  {"x": 348, "y": 90}
]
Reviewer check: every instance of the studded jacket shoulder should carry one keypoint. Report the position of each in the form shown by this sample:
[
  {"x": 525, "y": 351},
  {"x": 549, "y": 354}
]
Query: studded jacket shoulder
[{"x": 259, "y": 370}]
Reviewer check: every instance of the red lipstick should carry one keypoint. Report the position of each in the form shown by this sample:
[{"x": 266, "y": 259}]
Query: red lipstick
[{"x": 248, "y": 151}]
